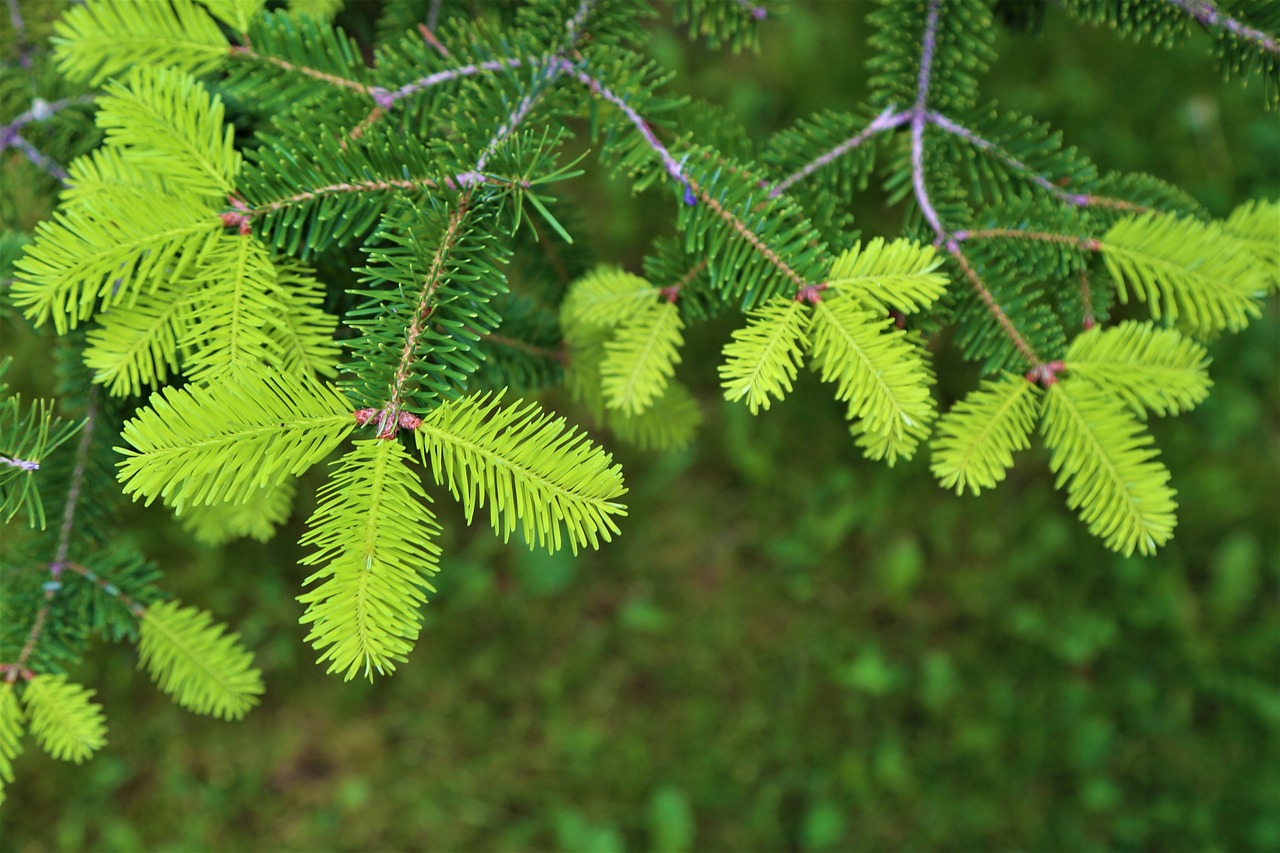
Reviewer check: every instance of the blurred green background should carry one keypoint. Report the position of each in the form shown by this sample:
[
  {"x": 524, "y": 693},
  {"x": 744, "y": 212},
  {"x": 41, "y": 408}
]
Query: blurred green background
[{"x": 789, "y": 648}]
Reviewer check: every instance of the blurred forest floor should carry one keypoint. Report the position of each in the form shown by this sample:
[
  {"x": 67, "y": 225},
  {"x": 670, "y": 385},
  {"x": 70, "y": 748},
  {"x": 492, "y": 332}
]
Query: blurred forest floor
[{"x": 789, "y": 647}]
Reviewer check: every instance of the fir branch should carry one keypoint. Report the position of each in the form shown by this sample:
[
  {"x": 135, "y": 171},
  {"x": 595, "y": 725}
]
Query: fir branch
[
  {"x": 887, "y": 120},
  {"x": 1207, "y": 13},
  {"x": 1087, "y": 243},
  {"x": 242, "y": 51},
  {"x": 375, "y": 541},
  {"x": 920, "y": 117},
  {"x": 674, "y": 169},
  {"x": 531, "y": 470},
  {"x": 390, "y": 415},
  {"x": 744, "y": 231},
  {"x": 221, "y": 442},
  {"x": 63, "y": 549},
  {"x": 1006, "y": 325},
  {"x": 63, "y": 719},
  {"x": 386, "y": 99},
  {"x": 459, "y": 181}
]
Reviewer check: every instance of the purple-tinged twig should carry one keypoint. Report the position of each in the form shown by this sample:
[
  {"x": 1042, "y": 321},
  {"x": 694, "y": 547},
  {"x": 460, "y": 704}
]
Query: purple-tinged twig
[
  {"x": 389, "y": 417},
  {"x": 920, "y": 117},
  {"x": 669, "y": 163},
  {"x": 887, "y": 120},
  {"x": 387, "y": 98},
  {"x": 11, "y": 136},
  {"x": 1208, "y": 14},
  {"x": 37, "y": 157},
  {"x": 940, "y": 121},
  {"x": 947, "y": 125},
  {"x": 23, "y": 464},
  {"x": 20, "y": 35},
  {"x": 426, "y": 30}
]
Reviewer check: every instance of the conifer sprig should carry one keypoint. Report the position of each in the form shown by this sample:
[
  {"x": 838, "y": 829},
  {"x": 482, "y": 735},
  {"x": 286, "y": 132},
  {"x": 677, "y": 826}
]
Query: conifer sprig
[{"x": 180, "y": 243}]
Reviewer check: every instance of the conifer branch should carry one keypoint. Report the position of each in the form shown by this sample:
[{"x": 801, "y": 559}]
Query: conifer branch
[
  {"x": 759, "y": 245},
  {"x": 920, "y": 117},
  {"x": 1207, "y": 13},
  {"x": 668, "y": 162},
  {"x": 389, "y": 98},
  {"x": 247, "y": 52},
  {"x": 887, "y": 120},
  {"x": 52, "y": 587},
  {"x": 390, "y": 415},
  {"x": 1010, "y": 330},
  {"x": 942, "y": 122},
  {"x": 463, "y": 179},
  {"x": 1086, "y": 243}
]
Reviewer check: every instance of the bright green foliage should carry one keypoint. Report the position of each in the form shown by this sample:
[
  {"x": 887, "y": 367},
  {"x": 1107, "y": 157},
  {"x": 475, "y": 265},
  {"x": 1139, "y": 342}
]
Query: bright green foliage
[
  {"x": 170, "y": 124},
  {"x": 1189, "y": 271},
  {"x": 528, "y": 467},
  {"x": 1151, "y": 369},
  {"x": 137, "y": 349},
  {"x": 86, "y": 260},
  {"x": 891, "y": 276},
  {"x": 257, "y": 517},
  {"x": 641, "y": 358},
  {"x": 375, "y": 545},
  {"x": 233, "y": 308},
  {"x": 235, "y": 13},
  {"x": 1113, "y": 475},
  {"x": 64, "y": 721},
  {"x": 762, "y": 360},
  {"x": 879, "y": 371},
  {"x": 221, "y": 442},
  {"x": 105, "y": 37},
  {"x": 11, "y": 728},
  {"x": 113, "y": 171},
  {"x": 670, "y": 422},
  {"x": 876, "y": 369},
  {"x": 194, "y": 660},
  {"x": 974, "y": 443},
  {"x": 1256, "y": 224},
  {"x": 606, "y": 297}
]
